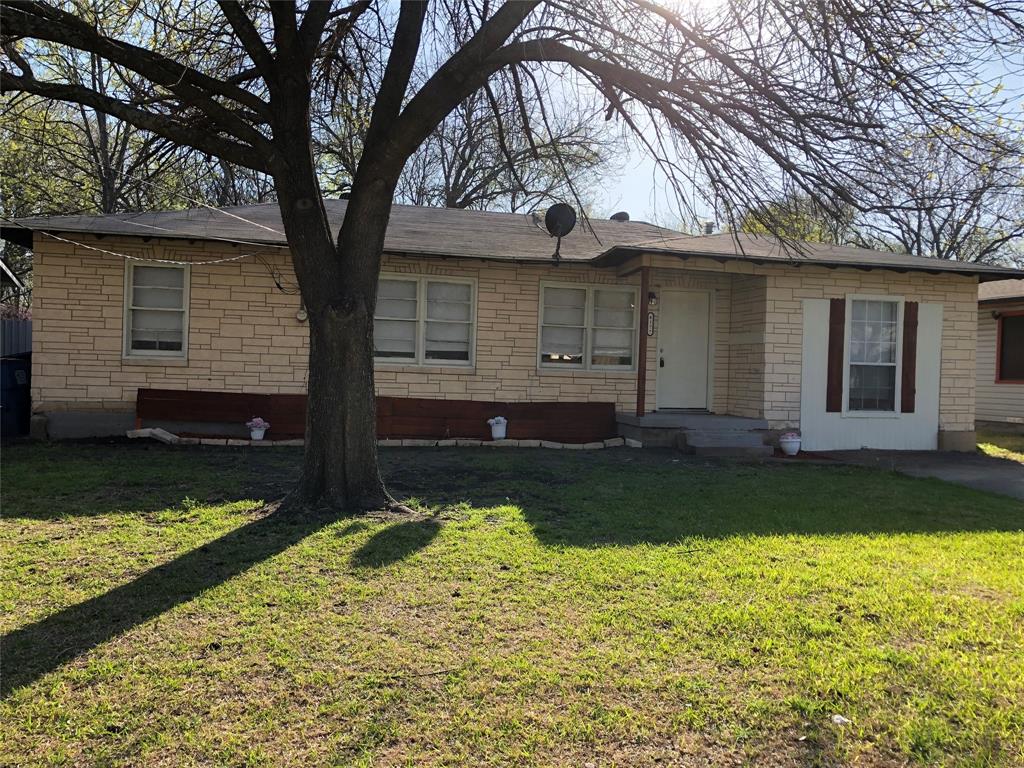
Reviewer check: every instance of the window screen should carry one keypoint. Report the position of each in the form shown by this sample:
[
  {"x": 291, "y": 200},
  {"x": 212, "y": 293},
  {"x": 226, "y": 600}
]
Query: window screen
[
  {"x": 156, "y": 310},
  {"x": 563, "y": 326},
  {"x": 395, "y": 323},
  {"x": 422, "y": 320},
  {"x": 587, "y": 327},
  {"x": 613, "y": 328},
  {"x": 873, "y": 336},
  {"x": 449, "y": 321}
]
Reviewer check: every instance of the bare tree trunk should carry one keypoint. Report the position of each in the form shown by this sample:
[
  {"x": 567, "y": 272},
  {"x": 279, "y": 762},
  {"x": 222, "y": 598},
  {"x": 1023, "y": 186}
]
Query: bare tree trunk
[
  {"x": 340, "y": 468},
  {"x": 338, "y": 279}
]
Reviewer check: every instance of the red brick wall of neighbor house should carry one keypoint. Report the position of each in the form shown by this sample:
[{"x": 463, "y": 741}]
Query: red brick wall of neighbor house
[{"x": 244, "y": 335}]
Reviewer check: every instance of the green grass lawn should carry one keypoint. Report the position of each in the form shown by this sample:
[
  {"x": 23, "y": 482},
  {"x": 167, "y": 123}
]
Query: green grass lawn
[
  {"x": 614, "y": 607},
  {"x": 1002, "y": 445}
]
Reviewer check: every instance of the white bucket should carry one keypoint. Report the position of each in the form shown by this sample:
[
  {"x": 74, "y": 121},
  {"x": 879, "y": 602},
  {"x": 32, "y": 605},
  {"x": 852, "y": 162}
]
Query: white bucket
[{"x": 499, "y": 425}]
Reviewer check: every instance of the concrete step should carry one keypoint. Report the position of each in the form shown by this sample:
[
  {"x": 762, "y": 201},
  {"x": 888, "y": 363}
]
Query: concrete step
[
  {"x": 737, "y": 451},
  {"x": 724, "y": 442},
  {"x": 722, "y": 438}
]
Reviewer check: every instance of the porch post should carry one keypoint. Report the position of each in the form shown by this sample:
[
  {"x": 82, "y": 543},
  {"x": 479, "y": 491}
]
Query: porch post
[{"x": 641, "y": 356}]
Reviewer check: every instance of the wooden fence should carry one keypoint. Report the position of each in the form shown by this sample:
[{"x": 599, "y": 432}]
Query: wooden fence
[{"x": 15, "y": 337}]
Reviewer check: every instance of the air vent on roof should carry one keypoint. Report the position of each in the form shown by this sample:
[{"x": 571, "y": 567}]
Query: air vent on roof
[
  {"x": 709, "y": 227},
  {"x": 620, "y": 216}
]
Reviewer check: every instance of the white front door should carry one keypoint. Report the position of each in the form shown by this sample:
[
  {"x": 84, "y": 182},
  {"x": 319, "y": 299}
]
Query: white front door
[{"x": 683, "y": 344}]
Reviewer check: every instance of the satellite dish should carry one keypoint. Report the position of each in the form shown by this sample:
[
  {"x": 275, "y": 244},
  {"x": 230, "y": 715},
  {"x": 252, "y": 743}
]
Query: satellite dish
[{"x": 559, "y": 221}]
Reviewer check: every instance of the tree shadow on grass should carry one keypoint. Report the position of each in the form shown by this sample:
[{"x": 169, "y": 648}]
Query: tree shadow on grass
[
  {"x": 830, "y": 503},
  {"x": 624, "y": 498},
  {"x": 395, "y": 543},
  {"x": 39, "y": 648},
  {"x": 51, "y": 481}
]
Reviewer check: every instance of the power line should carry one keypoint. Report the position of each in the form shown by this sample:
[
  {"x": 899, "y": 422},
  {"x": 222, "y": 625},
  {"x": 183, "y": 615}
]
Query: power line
[
  {"x": 236, "y": 257},
  {"x": 215, "y": 209}
]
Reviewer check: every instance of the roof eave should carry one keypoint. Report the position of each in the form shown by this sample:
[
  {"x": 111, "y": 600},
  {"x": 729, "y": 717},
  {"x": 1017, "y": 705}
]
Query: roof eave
[
  {"x": 616, "y": 255},
  {"x": 18, "y": 235}
]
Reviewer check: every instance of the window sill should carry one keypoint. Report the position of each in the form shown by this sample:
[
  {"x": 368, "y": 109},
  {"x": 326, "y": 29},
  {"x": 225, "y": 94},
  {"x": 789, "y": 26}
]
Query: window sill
[
  {"x": 420, "y": 368},
  {"x": 871, "y": 414},
  {"x": 625, "y": 373},
  {"x": 171, "y": 362},
  {"x": 1009, "y": 381}
]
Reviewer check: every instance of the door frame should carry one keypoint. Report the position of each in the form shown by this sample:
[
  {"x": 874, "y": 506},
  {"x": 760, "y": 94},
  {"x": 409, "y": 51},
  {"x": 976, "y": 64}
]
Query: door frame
[{"x": 710, "y": 293}]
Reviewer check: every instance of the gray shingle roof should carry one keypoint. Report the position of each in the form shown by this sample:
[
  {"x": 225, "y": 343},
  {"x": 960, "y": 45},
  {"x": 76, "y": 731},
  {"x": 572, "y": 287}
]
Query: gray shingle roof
[
  {"x": 420, "y": 231},
  {"x": 412, "y": 230},
  {"x": 763, "y": 249}
]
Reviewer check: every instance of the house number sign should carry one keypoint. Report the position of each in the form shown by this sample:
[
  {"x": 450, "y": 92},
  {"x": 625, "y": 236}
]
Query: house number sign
[{"x": 650, "y": 323}]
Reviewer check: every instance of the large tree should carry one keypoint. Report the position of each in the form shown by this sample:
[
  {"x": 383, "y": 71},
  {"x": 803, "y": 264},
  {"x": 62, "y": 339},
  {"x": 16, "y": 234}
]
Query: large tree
[
  {"x": 483, "y": 155},
  {"x": 953, "y": 203},
  {"x": 744, "y": 94}
]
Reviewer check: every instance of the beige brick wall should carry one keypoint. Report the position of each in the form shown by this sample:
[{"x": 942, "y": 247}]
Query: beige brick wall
[
  {"x": 244, "y": 334},
  {"x": 786, "y": 289},
  {"x": 764, "y": 379},
  {"x": 747, "y": 347},
  {"x": 506, "y": 340}
]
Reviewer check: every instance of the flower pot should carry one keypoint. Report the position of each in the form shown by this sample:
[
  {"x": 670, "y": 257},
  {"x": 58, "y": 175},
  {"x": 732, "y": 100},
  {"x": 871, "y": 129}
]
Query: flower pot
[
  {"x": 790, "y": 445},
  {"x": 257, "y": 434},
  {"x": 498, "y": 430}
]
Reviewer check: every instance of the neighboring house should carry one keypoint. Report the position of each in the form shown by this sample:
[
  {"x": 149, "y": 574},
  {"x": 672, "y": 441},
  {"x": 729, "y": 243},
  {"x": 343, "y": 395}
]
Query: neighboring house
[
  {"x": 1000, "y": 392},
  {"x": 855, "y": 348}
]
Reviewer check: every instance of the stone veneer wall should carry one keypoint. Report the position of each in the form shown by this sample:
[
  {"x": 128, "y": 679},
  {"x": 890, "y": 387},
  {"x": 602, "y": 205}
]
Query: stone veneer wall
[
  {"x": 244, "y": 335},
  {"x": 764, "y": 377},
  {"x": 747, "y": 347},
  {"x": 786, "y": 289}
]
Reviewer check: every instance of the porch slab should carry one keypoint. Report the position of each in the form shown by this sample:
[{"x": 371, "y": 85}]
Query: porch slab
[
  {"x": 697, "y": 432},
  {"x": 690, "y": 420}
]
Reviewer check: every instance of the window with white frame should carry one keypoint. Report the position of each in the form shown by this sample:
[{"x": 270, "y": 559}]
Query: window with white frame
[
  {"x": 587, "y": 327},
  {"x": 424, "y": 321},
  {"x": 156, "y": 310},
  {"x": 874, "y": 336}
]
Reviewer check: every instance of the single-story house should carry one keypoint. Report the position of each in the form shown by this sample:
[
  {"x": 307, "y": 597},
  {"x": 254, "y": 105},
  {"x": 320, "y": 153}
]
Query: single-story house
[
  {"x": 713, "y": 335},
  {"x": 1000, "y": 392}
]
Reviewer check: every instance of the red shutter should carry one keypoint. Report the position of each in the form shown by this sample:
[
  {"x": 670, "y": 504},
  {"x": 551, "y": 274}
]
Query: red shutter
[
  {"x": 909, "y": 376},
  {"x": 836, "y": 340}
]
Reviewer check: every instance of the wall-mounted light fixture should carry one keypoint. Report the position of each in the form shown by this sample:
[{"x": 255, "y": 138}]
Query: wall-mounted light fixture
[
  {"x": 996, "y": 314},
  {"x": 652, "y": 299}
]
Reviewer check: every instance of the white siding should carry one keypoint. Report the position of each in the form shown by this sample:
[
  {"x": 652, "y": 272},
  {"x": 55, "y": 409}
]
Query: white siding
[
  {"x": 995, "y": 402},
  {"x": 823, "y": 431}
]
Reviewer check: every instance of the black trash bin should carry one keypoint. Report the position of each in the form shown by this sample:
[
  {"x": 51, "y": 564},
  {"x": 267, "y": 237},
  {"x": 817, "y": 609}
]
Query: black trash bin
[{"x": 15, "y": 401}]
